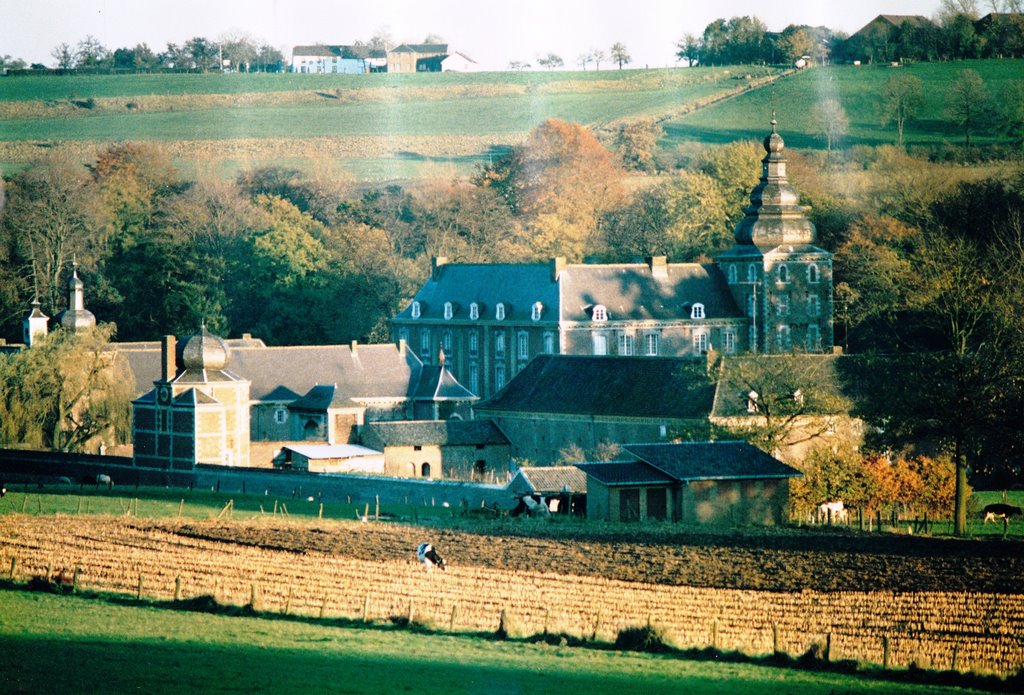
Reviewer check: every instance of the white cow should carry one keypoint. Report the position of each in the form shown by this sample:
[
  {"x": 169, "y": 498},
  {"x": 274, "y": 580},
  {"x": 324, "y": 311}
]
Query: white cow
[{"x": 832, "y": 511}]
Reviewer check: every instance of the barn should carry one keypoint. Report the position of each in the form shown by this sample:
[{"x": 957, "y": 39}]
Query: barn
[
  {"x": 690, "y": 482},
  {"x": 330, "y": 458},
  {"x": 563, "y": 487}
]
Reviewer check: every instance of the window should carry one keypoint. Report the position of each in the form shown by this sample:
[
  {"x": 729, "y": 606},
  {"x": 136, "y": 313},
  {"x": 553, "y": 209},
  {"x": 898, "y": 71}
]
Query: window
[
  {"x": 813, "y": 274},
  {"x": 446, "y": 343},
  {"x": 600, "y": 344},
  {"x": 751, "y": 306},
  {"x": 729, "y": 340},
  {"x": 782, "y": 273},
  {"x": 813, "y": 338},
  {"x": 474, "y": 311},
  {"x": 425, "y": 470},
  {"x": 549, "y": 343},
  {"x": 700, "y": 343},
  {"x": 733, "y": 275},
  {"x": 782, "y": 337},
  {"x": 782, "y": 305},
  {"x": 523, "y": 345},
  {"x": 752, "y": 272},
  {"x": 752, "y": 402},
  {"x": 281, "y": 416},
  {"x": 474, "y": 343},
  {"x": 499, "y": 344},
  {"x": 651, "y": 344},
  {"x": 752, "y": 338},
  {"x": 425, "y": 344},
  {"x": 499, "y": 376},
  {"x": 697, "y": 311},
  {"x": 415, "y": 310},
  {"x": 403, "y": 334},
  {"x": 625, "y": 344},
  {"x": 474, "y": 378},
  {"x": 499, "y": 312},
  {"x": 448, "y": 310},
  {"x": 813, "y": 305},
  {"x": 538, "y": 309},
  {"x": 600, "y": 313}
]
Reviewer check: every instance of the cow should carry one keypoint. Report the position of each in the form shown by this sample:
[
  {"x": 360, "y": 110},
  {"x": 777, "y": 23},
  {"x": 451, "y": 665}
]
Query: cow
[
  {"x": 832, "y": 512},
  {"x": 994, "y": 512},
  {"x": 426, "y": 554},
  {"x": 3, "y": 490}
]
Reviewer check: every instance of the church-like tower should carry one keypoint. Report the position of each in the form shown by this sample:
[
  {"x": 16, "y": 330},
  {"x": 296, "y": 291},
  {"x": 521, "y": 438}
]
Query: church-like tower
[
  {"x": 776, "y": 274},
  {"x": 76, "y": 317}
]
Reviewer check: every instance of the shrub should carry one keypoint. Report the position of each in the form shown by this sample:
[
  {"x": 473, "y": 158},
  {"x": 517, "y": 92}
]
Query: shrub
[{"x": 647, "y": 639}]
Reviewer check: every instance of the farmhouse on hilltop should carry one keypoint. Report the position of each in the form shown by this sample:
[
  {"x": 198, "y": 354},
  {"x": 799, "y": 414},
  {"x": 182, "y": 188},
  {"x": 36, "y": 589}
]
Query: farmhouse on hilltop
[
  {"x": 322, "y": 58},
  {"x": 770, "y": 293}
]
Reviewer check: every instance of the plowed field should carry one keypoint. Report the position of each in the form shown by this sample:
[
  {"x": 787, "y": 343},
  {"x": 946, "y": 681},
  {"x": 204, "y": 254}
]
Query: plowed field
[{"x": 775, "y": 560}]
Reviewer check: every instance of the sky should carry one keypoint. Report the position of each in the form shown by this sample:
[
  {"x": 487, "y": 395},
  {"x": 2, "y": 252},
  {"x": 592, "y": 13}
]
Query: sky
[{"x": 491, "y": 33}]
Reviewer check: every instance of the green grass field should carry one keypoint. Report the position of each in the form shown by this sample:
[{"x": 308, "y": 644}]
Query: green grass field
[
  {"x": 857, "y": 89},
  {"x": 70, "y": 644}
]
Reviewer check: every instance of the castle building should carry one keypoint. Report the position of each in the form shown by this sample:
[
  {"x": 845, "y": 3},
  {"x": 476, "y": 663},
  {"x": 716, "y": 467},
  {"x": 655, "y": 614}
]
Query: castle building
[{"x": 770, "y": 293}]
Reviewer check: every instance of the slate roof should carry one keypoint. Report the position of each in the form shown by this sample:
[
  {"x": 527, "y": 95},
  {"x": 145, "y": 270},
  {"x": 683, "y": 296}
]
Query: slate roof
[
  {"x": 892, "y": 20},
  {"x": 711, "y": 461},
  {"x": 438, "y": 384},
  {"x": 320, "y": 398},
  {"x": 331, "y": 451},
  {"x": 286, "y": 373},
  {"x": 420, "y": 48},
  {"x": 629, "y": 291},
  {"x": 438, "y": 432},
  {"x": 817, "y": 377},
  {"x": 616, "y": 473},
  {"x": 657, "y": 387},
  {"x": 553, "y": 479},
  {"x": 338, "y": 51}
]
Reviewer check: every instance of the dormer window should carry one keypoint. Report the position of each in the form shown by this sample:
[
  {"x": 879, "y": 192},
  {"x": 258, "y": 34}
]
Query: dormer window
[
  {"x": 782, "y": 272},
  {"x": 600, "y": 313},
  {"x": 448, "y": 310},
  {"x": 538, "y": 308},
  {"x": 813, "y": 274},
  {"x": 415, "y": 310},
  {"x": 474, "y": 311},
  {"x": 752, "y": 402},
  {"x": 697, "y": 311},
  {"x": 499, "y": 312}
]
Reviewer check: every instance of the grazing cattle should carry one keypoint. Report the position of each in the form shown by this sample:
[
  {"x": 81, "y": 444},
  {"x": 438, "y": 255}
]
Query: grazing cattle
[
  {"x": 103, "y": 479},
  {"x": 426, "y": 554},
  {"x": 994, "y": 512},
  {"x": 833, "y": 512}
]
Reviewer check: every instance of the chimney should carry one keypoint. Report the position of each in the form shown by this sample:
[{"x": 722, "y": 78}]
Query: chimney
[
  {"x": 247, "y": 337},
  {"x": 354, "y": 345},
  {"x": 659, "y": 266},
  {"x": 557, "y": 266},
  {"x": 401, "y": 347},
  {"x": 435, "y": 266},
  {"x": 167, "y": 366}
]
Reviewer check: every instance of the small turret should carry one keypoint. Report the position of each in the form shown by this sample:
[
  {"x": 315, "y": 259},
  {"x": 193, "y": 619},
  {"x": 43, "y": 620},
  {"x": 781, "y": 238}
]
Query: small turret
[
  {"x": 76, "y": 317},
  {"x": 34, "y": 327}
]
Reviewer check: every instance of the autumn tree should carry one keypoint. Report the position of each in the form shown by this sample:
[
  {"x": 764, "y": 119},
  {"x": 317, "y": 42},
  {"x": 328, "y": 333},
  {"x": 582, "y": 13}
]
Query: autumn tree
[
  {"x": 736, "y": 168},
  {"x": 968, "y": 104},
  {"x": 688, "y": 49},
  {"x": 64, "y": 393},
  {"x": 830, "y": 121},
  {"x": 901, "y": 100},
  {"x": 637, "y": 144},
  {"x": 560, "y": 181}
]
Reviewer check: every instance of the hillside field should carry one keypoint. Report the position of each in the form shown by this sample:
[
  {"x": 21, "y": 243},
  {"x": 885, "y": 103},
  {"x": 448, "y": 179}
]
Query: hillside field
[{"x": 387, "y": 127}]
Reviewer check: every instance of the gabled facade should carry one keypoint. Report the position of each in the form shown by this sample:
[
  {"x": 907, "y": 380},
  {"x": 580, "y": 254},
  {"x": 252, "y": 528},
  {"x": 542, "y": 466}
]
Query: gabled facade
[
  {"x": 469, "y": 450},
  {"x": 420, "y": 57},
  {"x": 770, "y": 293}
]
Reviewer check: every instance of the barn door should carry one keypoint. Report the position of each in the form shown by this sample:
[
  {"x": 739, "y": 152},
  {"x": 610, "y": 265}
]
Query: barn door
[
  {"x": 657, "y": 506},
  {"x": 629, "y": 505}
]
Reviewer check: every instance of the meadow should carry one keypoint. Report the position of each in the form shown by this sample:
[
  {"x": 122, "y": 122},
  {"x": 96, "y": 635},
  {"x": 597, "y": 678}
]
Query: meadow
[
  {"x": 105, "y": 647},
  {"x": 387, "y": 127}
]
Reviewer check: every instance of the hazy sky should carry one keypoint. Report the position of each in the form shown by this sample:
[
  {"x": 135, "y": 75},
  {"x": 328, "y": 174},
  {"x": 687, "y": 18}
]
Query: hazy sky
[{"x": 492, "y": 33}]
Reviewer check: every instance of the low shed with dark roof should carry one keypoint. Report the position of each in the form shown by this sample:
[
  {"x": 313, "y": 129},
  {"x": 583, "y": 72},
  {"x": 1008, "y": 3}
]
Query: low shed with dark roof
[
  {"x": 565, "y": 485},
  {"x": 692, "y": 482},
  {"x": 470, "y": 450}
]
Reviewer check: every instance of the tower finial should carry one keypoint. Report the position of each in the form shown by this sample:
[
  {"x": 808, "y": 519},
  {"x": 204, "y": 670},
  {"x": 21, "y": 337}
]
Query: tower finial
[{"x": 774, "y": 122}]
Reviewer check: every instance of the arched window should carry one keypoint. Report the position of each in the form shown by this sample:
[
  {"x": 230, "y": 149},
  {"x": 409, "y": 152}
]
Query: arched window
[
  {"x": 499, "y": 312},
  {"x": 697, "y": 311},
  {"x": 538, "y": 308},
  {"x": 813, "y": 305},
  {"x": 425, "y": 470},
  {"x": 448, "y": 310},
  {"x": 813, "y": 274},
  {"x": 600, "y": 313},
  {"x": 415, "y": 310},
  {"x": 549, "y": 343},
  {"x": 733, "y": 275},
  {"x": 474, "y": 311},
  {"x": 782, "y": 332},
  {"x": 782, "y": 272},
  {"x": 752, "y": 272}
]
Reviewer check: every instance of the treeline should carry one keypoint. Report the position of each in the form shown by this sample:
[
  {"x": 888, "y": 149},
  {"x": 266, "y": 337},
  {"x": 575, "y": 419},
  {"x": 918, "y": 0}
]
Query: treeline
[{"x": 746, "y": 40}]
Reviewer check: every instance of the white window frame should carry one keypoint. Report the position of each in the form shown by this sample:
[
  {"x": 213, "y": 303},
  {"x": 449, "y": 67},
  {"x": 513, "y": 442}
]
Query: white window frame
[
  {"x": 448, "y": 311},
  {"x": 734, "y": 275},
  {"x": 751, "y": 272},
  {"x": 782, "y": 273},
  {"x": 446, "y": 343},
  {"x": 499, "y": 376},
  {"x": 425, "y": 344},
  {"x": 549, "y": 343},
  {"x": 499, "y": 344},
  {"x": 813, "y": 273},
  {"x": 499, "y": 312},
  {"x": 538, "y": 309},
  {"x": 651, "y": 346},
  {"x": 600, "y": 313},
  {"x": 700, "y": 343},
  {"x": 600, "y": 343},
  {"x": 523, "y": 345},
  {"x": 626, "y": 345},
  {"x": 729, "y": 342},
  {"x": 474, "y": 312},
  {"x": 474, "y": 378},
  {"x": 783, "y": 337},
  {"x": 782, "y": 305},
  {"x": 813, "y": 305},
  {"x": 416, "y": 310},
  {"x": 474, "y": 343},
  {"x": 281, "y": 415},
  {"x": 697, "y": 311}
]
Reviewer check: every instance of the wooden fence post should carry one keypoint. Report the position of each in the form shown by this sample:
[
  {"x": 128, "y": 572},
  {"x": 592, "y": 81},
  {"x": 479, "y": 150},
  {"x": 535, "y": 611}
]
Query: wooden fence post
[
  {"x": 177, "y": 588},
  {"x": 828, "y": 646},
  {"x": 288, "y": 601},
  {"x": 885, "y": 652},
  {"x": 139, "y": 593},
  {"x": 14, "y": 566},
  {"x": 775, "y": 638},
  {"x": 714, "y": 633},
  {"x": 451, "y": 619},
  {"x": 323, "y": 606},
  {"x": 366, "y": 608}
]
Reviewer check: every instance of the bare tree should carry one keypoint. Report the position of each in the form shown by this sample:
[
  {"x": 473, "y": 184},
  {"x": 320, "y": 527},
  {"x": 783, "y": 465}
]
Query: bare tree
[
  {"x": 597, "y": 55},
  {"x": 620, "y": 55},
  {"x": 64, "y": 55},
  {"x": 550, "y": 61},
  {"x": 901, "y": 99},
  {"x": 968, "y": 103},
  {"x": 831, "y": 121}
]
